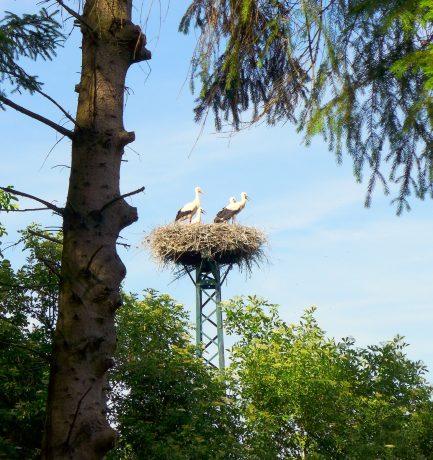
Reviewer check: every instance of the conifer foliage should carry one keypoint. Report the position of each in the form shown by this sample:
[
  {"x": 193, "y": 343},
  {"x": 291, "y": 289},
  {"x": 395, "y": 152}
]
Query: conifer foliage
[
  {"x": 357, "y": 72},
  {"x": 29, "y": 36}
]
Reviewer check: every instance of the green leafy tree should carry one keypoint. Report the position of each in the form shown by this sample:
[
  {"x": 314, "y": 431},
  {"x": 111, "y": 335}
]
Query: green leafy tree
[
  {"x": 166, "y": 402},
  {"x": 6, "y": 204},
  {"x": 28, "y": 302},
  {"x": 290, "y": 391},
  {"x": 303, "y": 395}
]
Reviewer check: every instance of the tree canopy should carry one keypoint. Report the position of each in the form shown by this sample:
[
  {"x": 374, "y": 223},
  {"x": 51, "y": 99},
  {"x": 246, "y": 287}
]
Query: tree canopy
[
  {"x": 289, "y": 392},
  {"x": 357, "y": 72},
  {"x": 304, "y": 395}
]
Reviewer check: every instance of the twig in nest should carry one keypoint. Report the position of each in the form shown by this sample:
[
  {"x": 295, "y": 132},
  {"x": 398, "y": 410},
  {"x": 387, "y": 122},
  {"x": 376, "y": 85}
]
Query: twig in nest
[{"x": 185, "y": 246}]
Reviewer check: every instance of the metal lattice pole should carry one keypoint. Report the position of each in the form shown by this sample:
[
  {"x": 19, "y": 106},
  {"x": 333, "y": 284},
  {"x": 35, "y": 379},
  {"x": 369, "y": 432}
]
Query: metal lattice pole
[{"x": 209, "y": 318}]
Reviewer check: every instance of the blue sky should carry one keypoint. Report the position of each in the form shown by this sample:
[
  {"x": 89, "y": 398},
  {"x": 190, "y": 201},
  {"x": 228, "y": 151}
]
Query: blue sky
[{"x": 369, "y": 272}]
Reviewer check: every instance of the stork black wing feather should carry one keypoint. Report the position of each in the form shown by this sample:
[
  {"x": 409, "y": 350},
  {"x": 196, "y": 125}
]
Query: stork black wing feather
[
  {"x": 182, "y": 214},
  {"x": 224, "y": 215}
]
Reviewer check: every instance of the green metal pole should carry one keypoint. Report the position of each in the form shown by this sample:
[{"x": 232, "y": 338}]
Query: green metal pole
[
  {"x": 209, "y": 319},
  {"x": 198, "y": 322},
  {"x": 219, "y": 316}
]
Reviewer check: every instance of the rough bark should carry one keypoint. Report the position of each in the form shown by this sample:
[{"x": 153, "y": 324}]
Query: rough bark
[{"x": 94, "y": 214}]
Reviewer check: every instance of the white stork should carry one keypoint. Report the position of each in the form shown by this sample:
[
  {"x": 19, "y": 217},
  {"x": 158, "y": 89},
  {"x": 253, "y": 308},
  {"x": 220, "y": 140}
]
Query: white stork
[
  {"x": 231, "y": 210},
  {"x": 187, "y": 211},
  {"x": 197, "y": 217}
]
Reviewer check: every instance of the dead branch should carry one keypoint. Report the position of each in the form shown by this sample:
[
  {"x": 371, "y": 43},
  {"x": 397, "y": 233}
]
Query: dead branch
[
  {"x": 74, "y": 14},
  {"x": 139, "y": 190},
  {"x": 47, "y": 237},
  {"x": 65, "y": 113},
  {"x": 25, "y": 210},
  {"x": 49, "y": 205},
  {"x": 36, "y": 116}
]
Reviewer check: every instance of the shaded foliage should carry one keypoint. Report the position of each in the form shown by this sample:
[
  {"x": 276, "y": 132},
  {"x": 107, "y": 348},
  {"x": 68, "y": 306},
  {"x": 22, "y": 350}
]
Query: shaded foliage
[
  {"x": 253, "y": 55},
  {"x": 28, "y": 301},
  {"x": 374, "y": 97}
]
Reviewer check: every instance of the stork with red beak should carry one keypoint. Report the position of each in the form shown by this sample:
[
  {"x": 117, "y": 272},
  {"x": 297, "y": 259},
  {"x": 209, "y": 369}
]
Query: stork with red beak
[
  {"x": 231, "y": 210},
  {"x": 187, "y": 211}
]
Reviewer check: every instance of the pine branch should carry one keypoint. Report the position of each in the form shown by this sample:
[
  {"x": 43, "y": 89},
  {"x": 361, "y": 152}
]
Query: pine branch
[
  {"x": 37, "y": 90},
  {"x": 36, "y": 116}
]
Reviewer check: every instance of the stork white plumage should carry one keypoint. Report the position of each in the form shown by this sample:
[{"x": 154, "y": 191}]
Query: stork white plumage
[
  {"x": 188, "y": 210},
  {"x": 197, "y": 217},
  {"x": 232, "y": 209}
]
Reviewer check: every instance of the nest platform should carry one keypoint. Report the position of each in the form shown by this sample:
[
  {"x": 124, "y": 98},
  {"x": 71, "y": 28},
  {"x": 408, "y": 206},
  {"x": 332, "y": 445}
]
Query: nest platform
[{"x": 188, "y": 245}]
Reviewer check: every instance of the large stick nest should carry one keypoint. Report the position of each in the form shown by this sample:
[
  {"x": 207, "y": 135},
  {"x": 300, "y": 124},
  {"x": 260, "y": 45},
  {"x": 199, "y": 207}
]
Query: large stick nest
[{"x": 187, "y": 245}]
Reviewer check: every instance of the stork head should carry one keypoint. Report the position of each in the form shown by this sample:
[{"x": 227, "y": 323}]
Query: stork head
[
  {"x": 201, "y": 210},
  {"x": 244, "y": 196},
  {"x": 199, "y": 190},
  {"x": 232, "y": 200}
]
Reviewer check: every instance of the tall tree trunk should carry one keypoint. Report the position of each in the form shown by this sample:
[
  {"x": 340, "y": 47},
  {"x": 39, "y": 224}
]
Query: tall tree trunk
[{"x": 95, "y": 213}]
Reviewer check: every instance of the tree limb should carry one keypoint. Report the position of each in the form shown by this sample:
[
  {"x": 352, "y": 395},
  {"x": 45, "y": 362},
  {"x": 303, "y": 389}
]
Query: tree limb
[
  {"x": 42, "y": 235},
  {"x": 49, "y": 205},
  {"x": 24, "y": 210},
  {"x": 35, "y": 89},
  {"x": 42, "y": 355},
  {"x": 141, "y": 189},
  {"x": 51, "y": 267},
  {"x": 36, "y": 116}
]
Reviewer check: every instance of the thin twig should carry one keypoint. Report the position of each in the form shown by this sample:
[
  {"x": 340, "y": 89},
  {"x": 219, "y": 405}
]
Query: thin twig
[
  {"x": 52, "y": 268},
  {"x": 67, "y": 115},
  {"x": 93, "y": 257},
  {"x": 51, "y": 149},
  {"x": 77, "y": 16},
  {"x": 42, "y": 355},
  {"x": 125, "y": 245}
]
